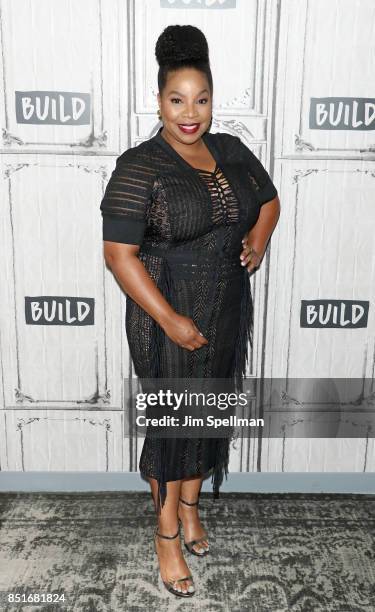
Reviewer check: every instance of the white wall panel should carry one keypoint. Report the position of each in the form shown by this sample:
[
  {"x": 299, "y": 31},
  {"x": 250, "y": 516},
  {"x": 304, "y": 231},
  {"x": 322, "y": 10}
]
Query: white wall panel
[
  {"x": 317, "y": 455},
  {"x": 57, "y": 49},
  {"x": 325, "y": 50},
  {"x": 62, "y": 440},
  {"x": 52, "y": 246},
  {"x": 323, "y": 248}
]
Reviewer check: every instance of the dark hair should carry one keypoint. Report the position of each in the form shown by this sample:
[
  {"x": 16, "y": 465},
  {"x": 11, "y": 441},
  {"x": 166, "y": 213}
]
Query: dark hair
[{"x": 180, "y": 46}]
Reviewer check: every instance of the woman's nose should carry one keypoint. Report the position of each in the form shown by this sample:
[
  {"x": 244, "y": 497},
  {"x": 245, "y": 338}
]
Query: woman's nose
[{"x": 190, "y": 111}]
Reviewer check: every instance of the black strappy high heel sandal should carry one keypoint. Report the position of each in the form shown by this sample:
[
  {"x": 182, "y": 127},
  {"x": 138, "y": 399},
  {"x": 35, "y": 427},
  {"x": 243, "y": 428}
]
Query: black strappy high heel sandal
[
  {"x": 169, "y": 583},
  {"x": 189, "y": 545}
]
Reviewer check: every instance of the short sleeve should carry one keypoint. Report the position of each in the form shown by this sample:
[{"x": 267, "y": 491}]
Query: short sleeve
[
  {"x": 126, "y": 198},
  {"x": 258, "y": 175}
]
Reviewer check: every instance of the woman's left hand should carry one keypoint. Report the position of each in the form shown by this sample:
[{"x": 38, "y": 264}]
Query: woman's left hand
[{"x": 249, "y": 257}]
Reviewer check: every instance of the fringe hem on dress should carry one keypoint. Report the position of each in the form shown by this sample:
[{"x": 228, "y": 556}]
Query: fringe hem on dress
[
  {"x": 162, "y": 484},
  {"x": 241, "y": 358},
  {"x": 165, "y": 285},
  {"x": 221, "y": 466},
  {"x": 245, "y": 334}
]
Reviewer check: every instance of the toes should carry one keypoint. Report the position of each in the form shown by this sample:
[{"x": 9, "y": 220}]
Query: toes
[
  {"x": 184, "y": 587},
  {"x": 201, "y": 546}
]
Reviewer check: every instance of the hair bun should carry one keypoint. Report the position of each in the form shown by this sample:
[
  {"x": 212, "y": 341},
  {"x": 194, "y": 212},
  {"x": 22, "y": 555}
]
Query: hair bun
[{"x": 179, "y": 43}]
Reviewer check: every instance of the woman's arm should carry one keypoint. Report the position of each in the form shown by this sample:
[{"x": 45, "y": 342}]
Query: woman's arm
[
  {"x": 256, "y": 240},
  {"x": 135, "y": 280}
]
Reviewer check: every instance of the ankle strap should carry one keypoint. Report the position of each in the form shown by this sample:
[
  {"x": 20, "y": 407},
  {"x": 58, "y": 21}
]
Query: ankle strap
[
  {"x": 189, "y": 503},
  {"x": 165, "y": 536}
]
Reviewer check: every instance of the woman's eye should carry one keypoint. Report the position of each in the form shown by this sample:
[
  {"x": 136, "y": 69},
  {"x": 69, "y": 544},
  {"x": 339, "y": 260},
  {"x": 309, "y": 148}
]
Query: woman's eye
[
  {"x": 178, "y": 99},
  {"x": 203, "y": 100}
]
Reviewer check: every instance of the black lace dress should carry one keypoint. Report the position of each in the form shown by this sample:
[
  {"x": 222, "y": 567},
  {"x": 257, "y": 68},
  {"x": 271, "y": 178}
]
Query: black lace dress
[{"x": 189, "y": 224}]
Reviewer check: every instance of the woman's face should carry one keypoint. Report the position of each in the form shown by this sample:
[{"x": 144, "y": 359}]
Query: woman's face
[{"x": 186, "y": 100}]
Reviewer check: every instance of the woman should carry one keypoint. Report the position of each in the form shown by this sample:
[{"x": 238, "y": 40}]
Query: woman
[{"x": 182, "y": 228}]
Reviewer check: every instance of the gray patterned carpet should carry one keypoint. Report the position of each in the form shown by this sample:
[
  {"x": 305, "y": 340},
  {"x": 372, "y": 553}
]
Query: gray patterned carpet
[{"x": 269, "y": 553}]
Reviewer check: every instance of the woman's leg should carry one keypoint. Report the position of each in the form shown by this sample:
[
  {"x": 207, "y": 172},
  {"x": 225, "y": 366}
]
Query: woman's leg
[
  {"x": 190, "y": 488},
  {"x": 171, "y": 560}
]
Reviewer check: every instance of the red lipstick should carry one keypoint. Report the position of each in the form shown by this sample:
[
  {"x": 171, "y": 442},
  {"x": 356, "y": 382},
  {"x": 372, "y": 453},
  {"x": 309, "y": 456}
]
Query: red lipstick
[{"x": 187, "y": 128}]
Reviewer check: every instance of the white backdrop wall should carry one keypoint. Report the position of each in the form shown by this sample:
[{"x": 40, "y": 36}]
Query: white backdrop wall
[{"x": 79, "y": 87}]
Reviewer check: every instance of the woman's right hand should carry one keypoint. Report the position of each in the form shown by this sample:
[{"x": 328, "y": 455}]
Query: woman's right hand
[{"x": 183, "y": 331}]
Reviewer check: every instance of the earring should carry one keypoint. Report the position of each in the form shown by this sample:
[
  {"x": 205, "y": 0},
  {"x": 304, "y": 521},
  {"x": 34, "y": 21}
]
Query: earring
[{"x": 159, "y": 114}]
